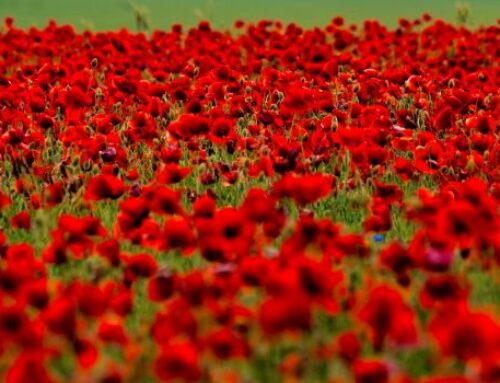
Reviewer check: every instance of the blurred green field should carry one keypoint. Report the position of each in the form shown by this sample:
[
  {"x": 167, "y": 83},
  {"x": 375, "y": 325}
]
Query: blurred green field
[{"x": 114, "y": 14}]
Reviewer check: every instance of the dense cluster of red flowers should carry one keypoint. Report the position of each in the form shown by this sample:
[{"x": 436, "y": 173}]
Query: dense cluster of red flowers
[{"x": 181, "y": 206}]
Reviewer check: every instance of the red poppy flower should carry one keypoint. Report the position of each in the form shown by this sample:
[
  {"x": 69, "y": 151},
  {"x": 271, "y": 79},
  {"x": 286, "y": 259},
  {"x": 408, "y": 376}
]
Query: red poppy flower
[
  {"x": 162, "y": 286},
  {"x": 60, "y": 317},
  {"x": 140, "y": 265},
  {"x": 56, "y": 193},
  {"x": 188, "y": 126},
  {"x": 466, "y": 335},
  {"x": 178, "y": 361},
  {"x": 4, "y": 200},
  {"x": 388, "y": 317},
  {"x": 29, "y": 366},
  {"x": 305, "y": 189},
  {"x": 177, "y": 319},
  {"x": 112, "y": 332},
  {"x": 177, "y": 234},
  {"x": 86, "y": 353},
  {"x": 447, "y": 379},
  {"x": 172, "y": 173},
  {"x": 226, "y": 344},
  {"x": 91, "y": 301},
  {"x": 284, "y": 314},
  {"x": 297, "y": 100},
  {"x": 104, "y": 186},
  {"x": 164, "y": 200},
  {"x": 443, "y": 290},
  {"x": 399, "y": 260},
  {"x": 110, "y": 249},
  {"x": 373, "y": 371},
  {"x": 14, "y": 324},
  {"x": 349, "y": 346}
]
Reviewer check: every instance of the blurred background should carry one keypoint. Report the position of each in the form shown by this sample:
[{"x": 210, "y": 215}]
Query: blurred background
[{"x": 161, "y": 14}]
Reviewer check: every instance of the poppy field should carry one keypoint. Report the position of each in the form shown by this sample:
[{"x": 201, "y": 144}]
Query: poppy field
[{"x": 270, "y": 204}]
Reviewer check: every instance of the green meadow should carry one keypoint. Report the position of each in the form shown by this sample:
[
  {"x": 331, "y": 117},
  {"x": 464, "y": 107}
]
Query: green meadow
[{"x": 114, "y": 14}]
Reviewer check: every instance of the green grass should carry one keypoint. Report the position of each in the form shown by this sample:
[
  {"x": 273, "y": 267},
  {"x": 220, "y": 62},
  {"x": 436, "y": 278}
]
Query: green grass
[{"x": 113, "y": 14}]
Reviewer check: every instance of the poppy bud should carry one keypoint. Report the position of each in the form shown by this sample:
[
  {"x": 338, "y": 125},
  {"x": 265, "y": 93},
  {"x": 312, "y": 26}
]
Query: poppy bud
[
  {"x": 471, "y": 164},
  {"x": 438, "y": 260},
  {"x": 109, "y": 154}
]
